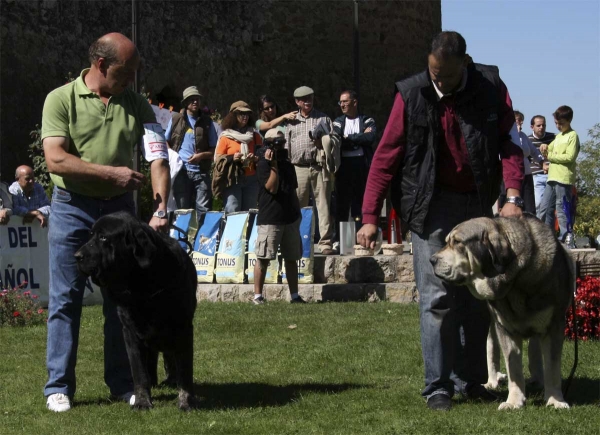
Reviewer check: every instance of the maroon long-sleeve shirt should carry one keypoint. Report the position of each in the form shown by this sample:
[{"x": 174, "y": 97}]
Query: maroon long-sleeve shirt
[{"x": 455, "y": 173}]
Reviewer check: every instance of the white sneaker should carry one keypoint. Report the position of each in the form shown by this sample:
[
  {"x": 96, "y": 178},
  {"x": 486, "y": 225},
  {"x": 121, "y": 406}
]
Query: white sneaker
[
  {"x": 58, "y": 402},
  {"x": 128, "y": 397}
]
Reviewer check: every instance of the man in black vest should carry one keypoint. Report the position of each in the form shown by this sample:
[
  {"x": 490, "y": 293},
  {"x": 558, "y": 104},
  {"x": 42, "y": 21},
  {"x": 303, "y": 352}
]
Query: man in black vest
[
  {"x": 357, "y": 133},
  {"x": 193, "y": 135},
  {"x": 439, "y": 152}
]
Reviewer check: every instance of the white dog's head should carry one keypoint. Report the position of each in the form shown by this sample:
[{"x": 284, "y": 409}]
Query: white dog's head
[{"x": 475, "y": 249}]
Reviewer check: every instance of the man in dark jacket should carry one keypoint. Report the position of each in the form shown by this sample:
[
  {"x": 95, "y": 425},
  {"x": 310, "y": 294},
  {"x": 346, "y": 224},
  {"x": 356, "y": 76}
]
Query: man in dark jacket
[
  {"x": 439, "y": 152},
  {"x": 357, "y": 134}
]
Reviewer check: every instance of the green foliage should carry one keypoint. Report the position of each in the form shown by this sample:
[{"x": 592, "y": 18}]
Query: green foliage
[
  {"x": 20, "y": 308},
  {"x": 588, "y": 165},
  {"x": 36, "y": 154},
  {"x": 346, "y": 368},
  {"x": 587, "y": 221}
]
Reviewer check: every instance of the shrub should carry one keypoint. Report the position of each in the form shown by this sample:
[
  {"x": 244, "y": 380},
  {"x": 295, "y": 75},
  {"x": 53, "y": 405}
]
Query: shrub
[
  {"x": 20, "y": 308},
  {"x": 587, "y": 310}
]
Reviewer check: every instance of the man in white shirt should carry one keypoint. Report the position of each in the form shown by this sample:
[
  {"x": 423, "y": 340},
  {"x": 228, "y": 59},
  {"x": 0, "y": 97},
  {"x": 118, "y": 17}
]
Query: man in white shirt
[{"x": 357, "y": 134}]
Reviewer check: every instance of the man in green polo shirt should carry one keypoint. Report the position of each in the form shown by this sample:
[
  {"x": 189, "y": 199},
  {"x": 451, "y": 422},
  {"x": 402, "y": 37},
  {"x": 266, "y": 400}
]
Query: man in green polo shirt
[{"x": 89, "y": 130}]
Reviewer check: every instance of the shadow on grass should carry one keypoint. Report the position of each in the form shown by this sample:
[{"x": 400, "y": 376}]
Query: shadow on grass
[
  {"x": 249, "y": 395},
  {"x": 239, "y": 395}
]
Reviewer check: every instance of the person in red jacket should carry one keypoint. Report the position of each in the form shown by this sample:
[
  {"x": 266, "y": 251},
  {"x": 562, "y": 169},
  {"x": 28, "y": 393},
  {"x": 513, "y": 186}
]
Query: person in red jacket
[{"x": 450, "y": 132}]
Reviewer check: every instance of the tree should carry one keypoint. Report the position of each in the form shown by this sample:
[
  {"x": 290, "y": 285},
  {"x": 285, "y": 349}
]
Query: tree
[
  {"x": 588, "y": 165},
  {"x": 588, "y": 186}
]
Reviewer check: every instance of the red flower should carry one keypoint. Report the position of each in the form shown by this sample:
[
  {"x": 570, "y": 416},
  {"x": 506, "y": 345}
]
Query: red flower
[
  {"x": 40, "y": 311},
  {"x": 16, "y": 314}
]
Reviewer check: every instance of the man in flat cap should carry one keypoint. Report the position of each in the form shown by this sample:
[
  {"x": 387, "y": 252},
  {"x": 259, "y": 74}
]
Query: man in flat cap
[
  {"x": 193, "y": 135},
  {"x": 315, "y": 156}
]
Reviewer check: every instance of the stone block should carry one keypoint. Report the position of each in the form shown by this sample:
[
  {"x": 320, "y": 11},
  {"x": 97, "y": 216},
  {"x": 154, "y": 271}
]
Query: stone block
[
  {"x": 403, "y": 293},
  {"x": 377, "y": 269}
]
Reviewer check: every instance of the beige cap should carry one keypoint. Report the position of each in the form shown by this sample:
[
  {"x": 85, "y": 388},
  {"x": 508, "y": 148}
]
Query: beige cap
[
  {"x": 303, "y": 91},
  {"x": 192, "y": 91},
  {"x": 240, "y": 106},
  {"x": 272, "y": 133}
]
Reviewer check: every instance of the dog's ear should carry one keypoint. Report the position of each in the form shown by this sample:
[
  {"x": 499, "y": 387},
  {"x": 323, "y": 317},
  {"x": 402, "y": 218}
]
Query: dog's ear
[
  {"x": 500, "y": 253},
  {"x": 143, "y": 248}
]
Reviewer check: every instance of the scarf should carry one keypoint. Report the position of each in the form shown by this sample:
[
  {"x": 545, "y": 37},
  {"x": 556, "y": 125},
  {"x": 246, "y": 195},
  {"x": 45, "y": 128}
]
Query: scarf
[{"x": 242, "y": 138}]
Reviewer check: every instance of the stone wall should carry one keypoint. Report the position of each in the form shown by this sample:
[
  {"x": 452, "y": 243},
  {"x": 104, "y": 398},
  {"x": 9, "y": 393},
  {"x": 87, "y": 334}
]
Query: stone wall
[{"x": 230, "y": 49}]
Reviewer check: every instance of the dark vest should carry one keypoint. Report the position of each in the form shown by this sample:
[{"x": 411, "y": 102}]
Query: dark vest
[
  {"x": 477, "y": 107},
  {"x": 179, "y": 126}
]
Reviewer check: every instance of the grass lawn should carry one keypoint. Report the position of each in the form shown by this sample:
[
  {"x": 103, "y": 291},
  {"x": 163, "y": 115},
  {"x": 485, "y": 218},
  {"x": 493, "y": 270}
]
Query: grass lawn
[{"x": 345, "y": 368}]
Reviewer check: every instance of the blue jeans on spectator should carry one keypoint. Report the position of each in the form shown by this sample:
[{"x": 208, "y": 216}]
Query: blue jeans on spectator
[
  {"x": 193, "y": 189},
  {"x": 454, "y": 325},
  {"x": 242, "y": 196},
  {"x": 72, "y": 218},
  {"x": 553, "y": 200},
  {"x": 539, "y": 185}
]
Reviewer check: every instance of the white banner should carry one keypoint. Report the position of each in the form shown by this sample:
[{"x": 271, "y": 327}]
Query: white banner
[{"x": 24, "y": 258}]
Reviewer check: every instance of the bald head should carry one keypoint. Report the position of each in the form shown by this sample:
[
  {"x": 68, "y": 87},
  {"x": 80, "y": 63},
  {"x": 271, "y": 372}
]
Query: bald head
[
  {"x": 113, "y": 48},
  {"x": 25, "y": 177}
]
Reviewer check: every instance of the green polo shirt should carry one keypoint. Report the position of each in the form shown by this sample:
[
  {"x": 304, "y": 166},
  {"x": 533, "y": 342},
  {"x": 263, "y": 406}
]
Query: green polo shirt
[{"x": 98, "y": 133}]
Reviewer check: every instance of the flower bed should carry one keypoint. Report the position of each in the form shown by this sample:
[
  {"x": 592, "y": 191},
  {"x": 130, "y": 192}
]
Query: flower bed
[
  {"x": 587, "y": 310},
  {"x": 20, "y": 308}
]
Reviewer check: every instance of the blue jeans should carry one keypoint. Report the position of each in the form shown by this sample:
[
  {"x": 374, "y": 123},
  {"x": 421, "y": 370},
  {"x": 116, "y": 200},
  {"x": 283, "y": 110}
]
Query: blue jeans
[
  {"x": 72, "y": 218},
  {"x": 454, "y": 325},
  {"x": 539, "y": 185},
  {"x": 553, "y": 200},
  {"x": 193, "y": 189},
  {"x": 242, "y": 196}
]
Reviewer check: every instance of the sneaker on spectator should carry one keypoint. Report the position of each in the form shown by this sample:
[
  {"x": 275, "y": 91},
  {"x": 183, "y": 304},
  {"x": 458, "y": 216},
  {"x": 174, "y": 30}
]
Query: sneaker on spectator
[
  {"x": 259, "y": 301},
  {"x": 298, "y": 300},
  {"x": 128, "y": 397},
  {"x": 58, "y": 402}
]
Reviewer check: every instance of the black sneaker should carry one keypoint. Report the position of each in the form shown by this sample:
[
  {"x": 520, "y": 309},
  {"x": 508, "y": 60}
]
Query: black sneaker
[
  {"x": 480, "y": 393},
  {"x": 439, "y": 402},
  {"x": 298, "y": 300},
  {"x": 259, "y": 301}
]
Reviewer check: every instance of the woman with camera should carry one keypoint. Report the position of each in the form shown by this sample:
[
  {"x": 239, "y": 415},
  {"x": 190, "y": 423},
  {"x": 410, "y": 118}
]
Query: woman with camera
[
  {"x": 238, "y": 142},
  {"x": 269, "y": 115}
]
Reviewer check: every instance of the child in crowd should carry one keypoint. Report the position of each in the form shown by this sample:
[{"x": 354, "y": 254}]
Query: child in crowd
[
  {"x": 278, "y": 216},
  {"x": 561, "y": 153}
]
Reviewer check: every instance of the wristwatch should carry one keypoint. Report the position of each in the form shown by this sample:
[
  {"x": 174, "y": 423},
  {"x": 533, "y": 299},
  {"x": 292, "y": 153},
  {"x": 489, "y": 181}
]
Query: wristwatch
[
  {"x": 516, "y": 200},
  {"x": 161, "y": 214}
]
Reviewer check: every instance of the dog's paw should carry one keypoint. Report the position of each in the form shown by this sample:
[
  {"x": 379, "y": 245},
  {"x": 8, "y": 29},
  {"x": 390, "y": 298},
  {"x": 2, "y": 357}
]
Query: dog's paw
[
  {"x": 502, "y": 377},
  {"x": 558, "y": 404},
  {"x": 141, "y": 403},
  {"x": 491, "y": 385},
  {"x": 508, "y": 405},
  {"x": 187, "y": 402}
]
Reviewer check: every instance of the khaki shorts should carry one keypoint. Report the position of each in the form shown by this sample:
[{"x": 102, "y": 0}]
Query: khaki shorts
[{"x": 271, "y": 237}]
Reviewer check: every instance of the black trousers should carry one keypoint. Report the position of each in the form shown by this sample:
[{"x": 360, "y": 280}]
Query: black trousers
[
  {"x": 527, "y": 193},
  {"x": 350, "y": 182}
]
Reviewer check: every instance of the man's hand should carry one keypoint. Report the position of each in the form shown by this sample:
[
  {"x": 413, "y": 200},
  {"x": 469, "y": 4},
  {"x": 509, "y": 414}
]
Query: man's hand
[
  {"x": 290, "y": 116},
  {"x": 158, "y": 224},
  {"x": 268, "y": 154},
  {"x": 545, "y": 167},
  {"x": 368, "y": 130},
  {"x": 511, "y": 210},
  {"x": 125, "y": 177},
  {"x": 367, "y": 236},
  {"x": 237, "y": 157},
  {"x": 4, "y": 217},
  {"x": 544, "y": 149},
  {"x": 195, "y": 158},
  {"x": 43, "y": 220}
]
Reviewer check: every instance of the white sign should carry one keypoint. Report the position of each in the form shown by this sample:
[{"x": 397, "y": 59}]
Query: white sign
[
  {"x": 24, "y": 258},
  {"x": 163, "y": 116}
]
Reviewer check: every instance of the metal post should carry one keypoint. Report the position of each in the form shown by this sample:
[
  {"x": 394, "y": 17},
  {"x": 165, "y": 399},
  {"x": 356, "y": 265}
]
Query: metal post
[
  {"x": 136, "y": 152},
  {"x": 356, "y": 51}
]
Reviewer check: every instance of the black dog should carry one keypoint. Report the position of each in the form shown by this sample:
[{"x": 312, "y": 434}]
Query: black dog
[{"x": 153, "y": 283}]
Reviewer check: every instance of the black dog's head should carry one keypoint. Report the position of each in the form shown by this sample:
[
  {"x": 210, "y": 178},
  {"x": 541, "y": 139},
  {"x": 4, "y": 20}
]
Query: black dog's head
[{"x": 119, "y": 245}]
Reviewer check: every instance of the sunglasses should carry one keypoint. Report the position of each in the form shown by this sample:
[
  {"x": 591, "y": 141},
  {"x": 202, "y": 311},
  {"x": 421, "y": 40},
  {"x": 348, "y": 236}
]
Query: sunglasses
[{"x": 269, "y": 107}]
